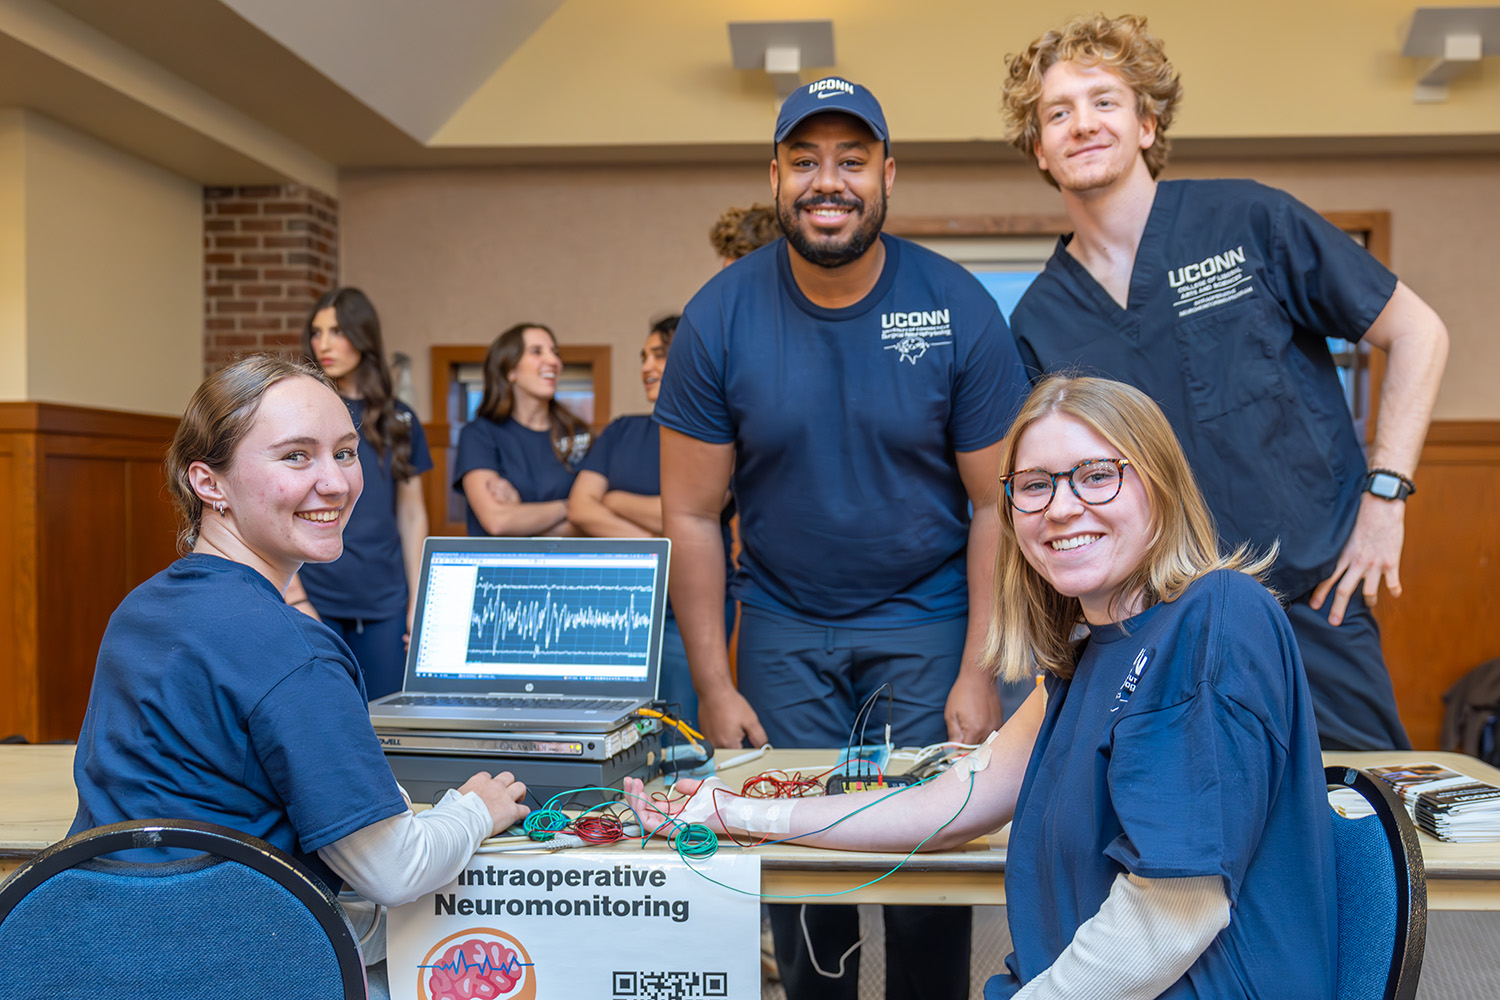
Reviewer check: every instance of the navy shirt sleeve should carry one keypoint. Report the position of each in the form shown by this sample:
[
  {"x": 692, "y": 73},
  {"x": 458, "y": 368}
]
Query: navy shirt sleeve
[
  {"x": 312, "y": 735},
  {"x": 597, "y": 460},
  {"x": 1326, "y": 281},
  {"x": 693, "y": 399},
  {"x": 1194, "y": 775},
  {"x": 989, "y": 389},
  {"x": 476, "y": 450},
  {"x": 421, "y": 457}
]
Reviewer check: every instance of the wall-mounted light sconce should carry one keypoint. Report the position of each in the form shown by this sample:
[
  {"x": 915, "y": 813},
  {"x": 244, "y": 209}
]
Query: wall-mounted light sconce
[
  {"x": 782, "y": 48},
  {"x": 1454, "y": 38}
]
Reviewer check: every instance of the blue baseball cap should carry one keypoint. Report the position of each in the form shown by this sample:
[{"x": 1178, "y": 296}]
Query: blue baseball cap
[{"x": 831, "y": 94}]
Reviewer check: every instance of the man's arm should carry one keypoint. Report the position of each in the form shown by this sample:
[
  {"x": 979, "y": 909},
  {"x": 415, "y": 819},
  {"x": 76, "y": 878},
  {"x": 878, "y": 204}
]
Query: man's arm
[
  {"x": 973, "y": 709},
  {"x": 1416, "y": 346},
  {"x": 694, "y": 476}
]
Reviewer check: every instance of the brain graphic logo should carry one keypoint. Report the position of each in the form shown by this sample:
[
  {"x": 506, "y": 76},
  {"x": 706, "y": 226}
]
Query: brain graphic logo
[{"x": 480, "y": 963}]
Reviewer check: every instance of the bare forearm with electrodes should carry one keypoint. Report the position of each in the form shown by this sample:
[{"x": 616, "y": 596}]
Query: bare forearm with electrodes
[{"x": 974, "y": 797}]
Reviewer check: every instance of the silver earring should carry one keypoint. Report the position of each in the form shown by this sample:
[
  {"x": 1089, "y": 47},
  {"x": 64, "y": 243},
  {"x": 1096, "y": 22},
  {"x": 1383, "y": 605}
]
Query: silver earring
[{"x": 221, "y": 507}]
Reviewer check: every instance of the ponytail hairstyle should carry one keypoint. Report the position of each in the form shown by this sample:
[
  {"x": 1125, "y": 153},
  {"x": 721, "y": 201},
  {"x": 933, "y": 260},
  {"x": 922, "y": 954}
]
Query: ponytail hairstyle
[
  {"x": 570, "y": 435},
  {"x": 388, "y": 431}
]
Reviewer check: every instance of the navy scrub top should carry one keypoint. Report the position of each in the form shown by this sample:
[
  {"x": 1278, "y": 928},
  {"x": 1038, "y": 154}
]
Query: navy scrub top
[{"x": 1234, "y": 289}]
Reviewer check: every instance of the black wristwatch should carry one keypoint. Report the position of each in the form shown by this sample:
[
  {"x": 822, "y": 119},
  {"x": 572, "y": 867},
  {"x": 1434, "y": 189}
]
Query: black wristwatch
[{"x": 1388, "y": 484}]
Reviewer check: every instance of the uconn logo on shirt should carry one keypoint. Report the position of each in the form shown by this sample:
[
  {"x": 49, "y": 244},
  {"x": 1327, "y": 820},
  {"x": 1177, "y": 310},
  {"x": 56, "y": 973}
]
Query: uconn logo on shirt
[
  {"x": 1211, "y": 282},
  {"x": 1132, "y": 680},
  {"x": 910, "y": 334}
]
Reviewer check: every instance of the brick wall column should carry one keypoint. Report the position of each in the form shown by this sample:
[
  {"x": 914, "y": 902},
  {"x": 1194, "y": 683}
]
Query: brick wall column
[{"x": 268, "y": 253}]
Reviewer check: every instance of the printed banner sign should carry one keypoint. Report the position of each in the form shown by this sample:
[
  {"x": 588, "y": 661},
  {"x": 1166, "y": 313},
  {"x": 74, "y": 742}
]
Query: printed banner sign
[{"x": 582, "y": 925}]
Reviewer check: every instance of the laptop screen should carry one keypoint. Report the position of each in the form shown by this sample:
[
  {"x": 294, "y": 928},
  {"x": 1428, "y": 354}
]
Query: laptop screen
[{"x": 499, "y": 613}]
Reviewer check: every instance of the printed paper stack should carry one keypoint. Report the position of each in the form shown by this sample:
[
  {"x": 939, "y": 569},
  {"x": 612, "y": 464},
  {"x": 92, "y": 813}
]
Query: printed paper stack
[{"x": 1444, "y": 803}]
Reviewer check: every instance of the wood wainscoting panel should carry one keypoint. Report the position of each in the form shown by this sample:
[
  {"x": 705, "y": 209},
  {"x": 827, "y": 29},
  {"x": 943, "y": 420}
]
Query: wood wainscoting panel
[
  {"x": 85, "y": 519},
  {"x": 1440, "y": 628}
]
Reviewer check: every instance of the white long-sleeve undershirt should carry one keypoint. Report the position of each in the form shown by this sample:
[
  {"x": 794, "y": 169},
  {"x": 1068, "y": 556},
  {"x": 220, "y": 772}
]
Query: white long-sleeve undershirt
[
  {"x": 402, "y": 857},
  {"x": 1147, "y": 934}
]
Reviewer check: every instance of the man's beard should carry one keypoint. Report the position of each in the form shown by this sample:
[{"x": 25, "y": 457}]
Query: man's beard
[{"x": 832, "y": 255}]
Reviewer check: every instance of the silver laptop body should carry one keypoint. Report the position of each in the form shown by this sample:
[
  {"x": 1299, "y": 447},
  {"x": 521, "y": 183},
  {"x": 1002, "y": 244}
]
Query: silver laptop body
[{"x": 543, "y": 635}]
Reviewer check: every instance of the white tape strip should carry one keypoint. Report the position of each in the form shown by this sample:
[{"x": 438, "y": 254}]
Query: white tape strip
[{"x": 976, "y": 760}]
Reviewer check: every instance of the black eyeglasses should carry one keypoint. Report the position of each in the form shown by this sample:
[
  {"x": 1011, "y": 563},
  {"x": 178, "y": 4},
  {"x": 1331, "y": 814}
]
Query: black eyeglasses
[{"x": 1096, "y": 481}]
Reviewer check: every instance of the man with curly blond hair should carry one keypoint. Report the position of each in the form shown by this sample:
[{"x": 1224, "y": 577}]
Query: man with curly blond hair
[
  {"x": 739, "y": 231},
  {"x": 1216, "y": 298}
]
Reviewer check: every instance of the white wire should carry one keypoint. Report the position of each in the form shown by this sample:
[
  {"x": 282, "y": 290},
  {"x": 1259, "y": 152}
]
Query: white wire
[{"x": 812, "y": 956}]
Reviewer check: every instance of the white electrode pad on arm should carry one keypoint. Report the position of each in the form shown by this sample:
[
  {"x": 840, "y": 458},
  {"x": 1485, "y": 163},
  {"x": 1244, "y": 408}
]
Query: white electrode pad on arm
[
  {"x": 752, "y": 817},
  {"x": 977, "y": 760}
]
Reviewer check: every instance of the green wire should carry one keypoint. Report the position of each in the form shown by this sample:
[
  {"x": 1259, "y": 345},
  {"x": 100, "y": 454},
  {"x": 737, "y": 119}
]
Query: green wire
[{"x": 697, "y": 841}]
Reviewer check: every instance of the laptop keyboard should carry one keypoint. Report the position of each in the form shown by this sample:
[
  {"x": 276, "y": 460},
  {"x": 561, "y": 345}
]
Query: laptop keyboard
[{"x": 506, "y": 701}]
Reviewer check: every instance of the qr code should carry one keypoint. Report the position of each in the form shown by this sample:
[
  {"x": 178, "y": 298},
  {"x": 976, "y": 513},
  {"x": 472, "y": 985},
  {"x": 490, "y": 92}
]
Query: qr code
[{"x": 671, "y": 985}]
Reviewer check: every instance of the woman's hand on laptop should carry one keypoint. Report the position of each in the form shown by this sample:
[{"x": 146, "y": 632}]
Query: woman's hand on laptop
[{"x": 502, "y": 795}]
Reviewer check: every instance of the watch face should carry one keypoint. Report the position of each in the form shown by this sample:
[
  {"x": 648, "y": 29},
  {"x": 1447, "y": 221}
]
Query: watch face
[{"x": 1383, "y": 485}]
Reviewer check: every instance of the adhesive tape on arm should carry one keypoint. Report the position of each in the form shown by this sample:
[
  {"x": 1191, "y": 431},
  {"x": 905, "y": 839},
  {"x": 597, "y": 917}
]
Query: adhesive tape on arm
[
  {"x": 758, "y": 817},
  {"x": 701, "y": 806},
  {"x": 978, "y": 760}
]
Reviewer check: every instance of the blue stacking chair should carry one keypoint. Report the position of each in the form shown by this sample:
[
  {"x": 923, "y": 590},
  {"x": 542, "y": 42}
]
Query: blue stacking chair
[
  {"x": 241, "y": 919},
  {"x": 1382, "y": 891}
]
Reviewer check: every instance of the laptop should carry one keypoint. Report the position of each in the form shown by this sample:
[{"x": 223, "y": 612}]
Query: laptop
[{"x": 555, "y": 635}]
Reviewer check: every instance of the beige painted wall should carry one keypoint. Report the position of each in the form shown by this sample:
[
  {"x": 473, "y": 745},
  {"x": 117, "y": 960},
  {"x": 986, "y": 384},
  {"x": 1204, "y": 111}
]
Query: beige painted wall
[
  {"x": 12, "y": 255},
  {"x": 457, "y": 256},
  {"x": 604, "y": 72},
  {"x": 112, "y": 298}
]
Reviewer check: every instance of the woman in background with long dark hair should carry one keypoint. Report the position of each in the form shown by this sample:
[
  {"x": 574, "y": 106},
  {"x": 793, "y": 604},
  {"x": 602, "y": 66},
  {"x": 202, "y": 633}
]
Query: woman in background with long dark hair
[
  {"x": 517, "y": 458},
  {"x": 368, "y": 595}
]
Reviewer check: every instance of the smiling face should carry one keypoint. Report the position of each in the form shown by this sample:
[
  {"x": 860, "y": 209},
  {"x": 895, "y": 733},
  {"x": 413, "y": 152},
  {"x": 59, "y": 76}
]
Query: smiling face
[
  {"x": 535, "y": 374},
  {"x": 1083, "y": 551},
  {"x": 831, "y": 178},
  {"x": 291, "y": 485},
  {"x": 331, "y": 347},
  {"x": 1091, "y": 132},
  {"x": 653, "y": 363}
]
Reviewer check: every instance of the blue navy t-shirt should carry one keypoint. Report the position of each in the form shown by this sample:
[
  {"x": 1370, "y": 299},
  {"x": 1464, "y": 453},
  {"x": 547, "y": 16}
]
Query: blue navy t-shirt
[
  {"x": 523, "y": 457},
  {"x": 1234, "y": 289},
  {"x": 369, "y": 580},
  {"x": 1184, "y": 745},
  {"x": 214, "y": 700},
  {"x": 627, "y": 454},
  {"x": 845, "y": 423}
]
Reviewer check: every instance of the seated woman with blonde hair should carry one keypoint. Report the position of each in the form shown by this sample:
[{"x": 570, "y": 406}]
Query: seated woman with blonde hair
[{"x": 1171, "y": 832}]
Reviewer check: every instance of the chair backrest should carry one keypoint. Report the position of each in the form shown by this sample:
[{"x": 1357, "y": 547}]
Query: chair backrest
[
  {"x": 242, "y": 919},
  {"x": 1382, "y": 894}
]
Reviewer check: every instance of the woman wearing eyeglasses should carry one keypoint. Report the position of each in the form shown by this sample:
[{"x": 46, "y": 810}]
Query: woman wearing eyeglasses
[{"x": 1171, "y": 833}]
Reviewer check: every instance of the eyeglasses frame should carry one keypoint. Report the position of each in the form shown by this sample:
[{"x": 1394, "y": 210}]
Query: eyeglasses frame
[{"x": 1120, "y": 464}]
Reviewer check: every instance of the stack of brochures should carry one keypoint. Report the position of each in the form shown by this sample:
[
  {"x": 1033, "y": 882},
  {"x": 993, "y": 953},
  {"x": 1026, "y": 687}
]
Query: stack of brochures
[{"x": 1444, "y": 803}]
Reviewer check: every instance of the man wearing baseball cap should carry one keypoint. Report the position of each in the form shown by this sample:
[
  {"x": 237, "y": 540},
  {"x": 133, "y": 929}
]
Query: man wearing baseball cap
[{"x": 852, "y": 388}]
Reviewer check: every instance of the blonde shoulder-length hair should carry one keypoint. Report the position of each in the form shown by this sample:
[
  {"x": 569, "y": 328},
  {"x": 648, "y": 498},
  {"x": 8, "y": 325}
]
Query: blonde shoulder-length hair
[{"x": 1033, "y": 625}]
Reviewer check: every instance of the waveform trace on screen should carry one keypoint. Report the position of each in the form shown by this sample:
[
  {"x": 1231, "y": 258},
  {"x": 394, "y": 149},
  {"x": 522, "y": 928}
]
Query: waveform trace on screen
[{"x": 553, "y": 615}]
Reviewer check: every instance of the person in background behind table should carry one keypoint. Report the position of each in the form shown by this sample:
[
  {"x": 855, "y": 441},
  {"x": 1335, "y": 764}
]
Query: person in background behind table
[
  {"x": 368, "y": 595},
  {"x": 1171, "y": 832},
  {"x": 618, "y": 495},
  {"x": 1216, "y": 297},
  {"x": 516, "y": 458},
  {"x": 741, "y": 231},
  {"x": 214, "y": 700}
]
